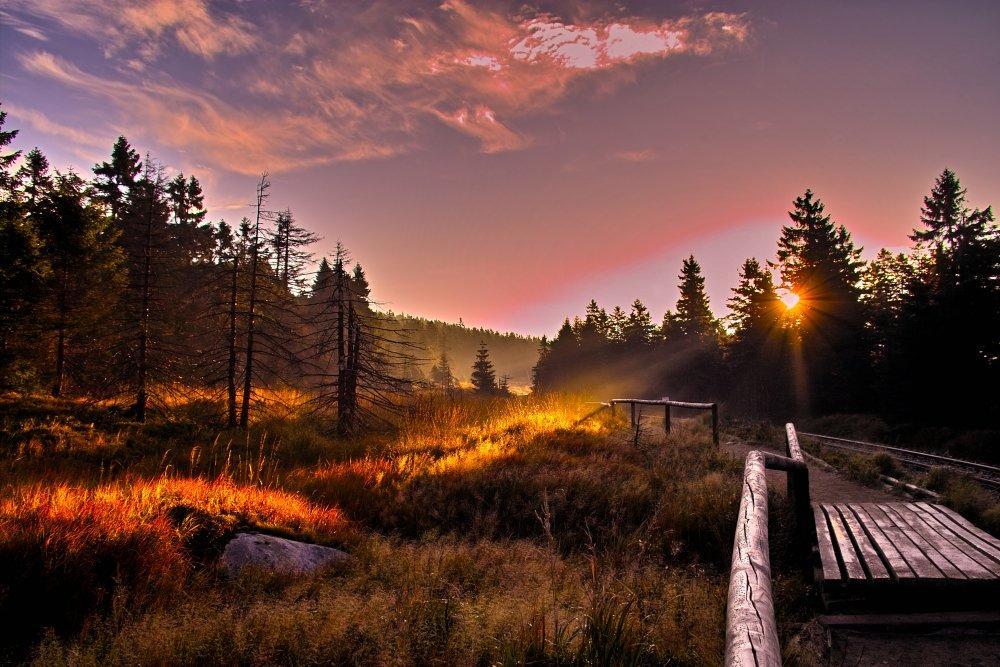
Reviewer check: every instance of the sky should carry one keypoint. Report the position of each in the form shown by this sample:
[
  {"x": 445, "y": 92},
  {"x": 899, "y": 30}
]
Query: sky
[{"x": 506, "y": 162}]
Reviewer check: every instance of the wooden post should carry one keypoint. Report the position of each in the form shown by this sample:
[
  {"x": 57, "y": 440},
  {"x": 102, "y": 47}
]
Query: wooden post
[
  {"x": 798, "y": 488},
  {"x": 666, "y": 419},
  {"x": 715, "y": 423},
  {"x": 633, "y": 412}
]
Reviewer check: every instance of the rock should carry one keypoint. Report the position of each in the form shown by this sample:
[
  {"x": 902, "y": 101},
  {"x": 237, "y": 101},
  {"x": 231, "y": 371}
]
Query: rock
[{"x": 276, "y": 554}]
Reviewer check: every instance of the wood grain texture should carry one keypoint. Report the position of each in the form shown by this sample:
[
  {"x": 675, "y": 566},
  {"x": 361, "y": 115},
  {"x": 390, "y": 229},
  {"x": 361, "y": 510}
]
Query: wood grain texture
[{"x": 751, "y": 631}]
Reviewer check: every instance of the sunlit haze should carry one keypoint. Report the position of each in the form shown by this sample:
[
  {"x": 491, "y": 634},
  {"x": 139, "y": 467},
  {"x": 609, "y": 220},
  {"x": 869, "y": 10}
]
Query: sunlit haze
[{"x": 505, "y": 163}]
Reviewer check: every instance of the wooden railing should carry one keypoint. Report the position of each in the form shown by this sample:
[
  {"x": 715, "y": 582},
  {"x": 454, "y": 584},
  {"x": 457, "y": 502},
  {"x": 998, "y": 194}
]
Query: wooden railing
[
  {"x": 751, "y": 631},
  {"x": 667, "y": 404}
]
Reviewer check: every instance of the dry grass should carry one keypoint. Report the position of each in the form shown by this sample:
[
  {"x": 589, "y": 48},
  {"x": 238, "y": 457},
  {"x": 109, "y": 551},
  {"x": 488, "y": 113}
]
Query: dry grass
[{"x": 483, "y": 532}]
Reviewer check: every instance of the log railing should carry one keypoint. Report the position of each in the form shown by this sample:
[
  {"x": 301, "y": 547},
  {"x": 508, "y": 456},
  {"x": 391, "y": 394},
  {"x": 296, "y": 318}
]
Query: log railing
[
  {"x": 751, "y": 631},
  {"x": 667, "y": 404}
]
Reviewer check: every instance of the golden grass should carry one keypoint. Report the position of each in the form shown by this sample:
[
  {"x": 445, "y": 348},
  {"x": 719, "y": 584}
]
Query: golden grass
[{"x": 484, "y": 531}]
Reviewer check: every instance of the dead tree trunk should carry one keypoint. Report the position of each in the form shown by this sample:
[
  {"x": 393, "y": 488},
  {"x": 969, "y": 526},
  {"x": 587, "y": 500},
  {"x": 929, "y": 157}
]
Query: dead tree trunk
[
  {"x": 147, "y": 253},
  {"x": 231, "y": 344},
  {"x": 252, "y": 304}
]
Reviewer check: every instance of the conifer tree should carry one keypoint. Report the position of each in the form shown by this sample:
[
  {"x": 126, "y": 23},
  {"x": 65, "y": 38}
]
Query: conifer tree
[
  {"x": 484, "y": 380},
  {"x": 755, "y": 350},
  {"x": 114, "y": 179},
  {"x": 693, "y": 318},
  {"x": 818, "y": 262},
  {"x": 23, "y": 270},
  {"x": 952, "y": 313},
  {"x": 441, "y": 374},
  {"x": 80, "y": 247},
  {"x": 34, "y": 180},
  {"x": 638, "y": 328}
]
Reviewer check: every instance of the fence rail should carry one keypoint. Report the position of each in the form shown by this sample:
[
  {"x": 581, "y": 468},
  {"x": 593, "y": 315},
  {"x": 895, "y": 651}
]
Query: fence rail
[
  {"x": 751, "y": 630},
  {"x": 666, "y": 403}
]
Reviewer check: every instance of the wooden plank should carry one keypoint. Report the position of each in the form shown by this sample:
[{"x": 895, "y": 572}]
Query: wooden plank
[
  {"x": 845, "y": 548},
  {"x": 827, "y": 555},
  {"x": 984, "y": 541},
  {"x": 940, "y": 561},
  {"x": 890, "y": 554},
  {"x": 751, "y": 631},
  {"x": 957, "y": 540},
  {"x": 969, "y": 566},
  {"x": 915, "y": 558},
  {"x": 871, "y": 559}
]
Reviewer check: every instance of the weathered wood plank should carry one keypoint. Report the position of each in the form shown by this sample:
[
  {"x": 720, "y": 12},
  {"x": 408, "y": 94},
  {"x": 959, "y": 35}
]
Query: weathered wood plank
[
  {"x": 890, "y": 554},
  {"x": 827, "y": 555},
  {"x": 968, "y": 566},
  {"x": 871, "y": 559},
  {"x": 986, "y": 542},
  {"x": 921, "y": 565},
  {"x": 845, "y": 547},
  {"x": 940, "y": 561},
  {"x": 957, "y": 540},
  {"x": 751, "y": 631}
]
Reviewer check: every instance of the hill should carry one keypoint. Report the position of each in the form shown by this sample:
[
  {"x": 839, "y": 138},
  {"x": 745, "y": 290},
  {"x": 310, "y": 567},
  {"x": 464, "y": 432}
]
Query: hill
[{"x": 512, "y": 354}]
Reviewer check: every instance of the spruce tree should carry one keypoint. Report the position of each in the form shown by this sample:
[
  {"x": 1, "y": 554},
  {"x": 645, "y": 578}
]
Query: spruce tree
[
  {"x": 81, "y": 248},
  {"x": 441, "y": 374},
  {"x": 34, "y": 180},
  {"x": 757, "y": 377},
  {"x": 114, "y": 179},
  {"x": 818, "y": 261},
  {"x": 950, "y": 319},
  {"x": 484, "y": 380},
  {"x": 638, "y": 329},
  {"x": 693, "y": 318}
]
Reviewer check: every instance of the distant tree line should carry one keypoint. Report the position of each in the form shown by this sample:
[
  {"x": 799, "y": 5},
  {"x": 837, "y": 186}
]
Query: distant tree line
[
  {"x": 912, "y": 335},
  {"x": 514, "y": 354},
  {"x": 118, "y": 286}
]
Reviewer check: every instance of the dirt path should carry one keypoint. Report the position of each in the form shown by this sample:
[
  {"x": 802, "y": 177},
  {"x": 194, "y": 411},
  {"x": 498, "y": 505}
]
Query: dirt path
[{"x": 824, "y": 485}]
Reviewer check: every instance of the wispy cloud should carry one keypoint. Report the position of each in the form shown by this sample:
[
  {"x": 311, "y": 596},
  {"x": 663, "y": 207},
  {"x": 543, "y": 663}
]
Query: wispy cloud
[
  {"x": 357, "y": 82},
  {"x": 146, "y": 26},
  {"x": 42, "y": 123},
  {"x": 645, "y": 155}
]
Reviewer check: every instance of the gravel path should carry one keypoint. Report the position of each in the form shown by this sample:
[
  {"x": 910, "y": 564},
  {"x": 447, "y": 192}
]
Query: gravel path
[{"x": 824, "y": 485}]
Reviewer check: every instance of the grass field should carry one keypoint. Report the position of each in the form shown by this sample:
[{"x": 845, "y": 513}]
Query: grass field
[{"x": 482, "y": 532}]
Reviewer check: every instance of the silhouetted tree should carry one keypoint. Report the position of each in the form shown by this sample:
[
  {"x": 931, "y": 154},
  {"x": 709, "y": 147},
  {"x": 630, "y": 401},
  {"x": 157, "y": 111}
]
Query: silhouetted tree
[
  {"x": 948, "y": 346},
  {"x": 441, "y": 374},
  {"x": 818, "y": 261},
  {"x": 114, "y": 179},
  {"x": 484, "y": 380},
  {"x": 80, "y": 247}
]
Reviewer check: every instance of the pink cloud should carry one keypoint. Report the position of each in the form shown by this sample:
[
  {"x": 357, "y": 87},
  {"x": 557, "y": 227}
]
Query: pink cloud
[{"x": 360, "y": 84}]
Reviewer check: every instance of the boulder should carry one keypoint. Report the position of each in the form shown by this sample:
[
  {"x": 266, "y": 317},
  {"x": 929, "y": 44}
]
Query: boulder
[{"x": 276, "y": 554}]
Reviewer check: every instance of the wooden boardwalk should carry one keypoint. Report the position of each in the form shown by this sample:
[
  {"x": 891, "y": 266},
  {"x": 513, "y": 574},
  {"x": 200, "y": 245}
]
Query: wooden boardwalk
[
  {"x": 878, "y": 562},
  {"x": 904, "y": 554}
]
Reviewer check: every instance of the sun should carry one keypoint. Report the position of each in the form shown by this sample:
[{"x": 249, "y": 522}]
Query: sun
[{"x": 790, "y": 299}]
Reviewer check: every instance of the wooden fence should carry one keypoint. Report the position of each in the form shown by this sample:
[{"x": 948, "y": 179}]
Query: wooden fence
[
  {"x": 751, "y": 631},
  {"x": 666, "y": 403}
]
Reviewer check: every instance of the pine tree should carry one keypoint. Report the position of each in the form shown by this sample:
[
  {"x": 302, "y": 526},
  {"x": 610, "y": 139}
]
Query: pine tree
[
  {"x": 755, "y": 350},
  {"x": 638, "y": 330},
  {"x": 6, "y": 161},
  {"x": 484, "y": 380},
  {"x": 114, "y": 179},
  {"x": 23, "y": 271},
  {"x": 693, "y": 318},
  {"x": 441, "y": 374},
  {"x": 34, "y": 180},
  {"x": 818, "y": 262},
  {"x": 359, "y": 283},
  {"x": 288, "y": 241},
  {"x": 949, "y": 322},
  {"x": 81, "y": 248}
]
